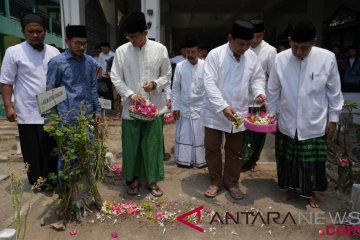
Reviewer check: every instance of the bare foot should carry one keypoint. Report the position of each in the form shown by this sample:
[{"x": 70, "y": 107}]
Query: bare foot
[
  {"x": 314, "y": 202},
  {"x": 255, "y": 168},
  {"x": 289, "y": 194}
]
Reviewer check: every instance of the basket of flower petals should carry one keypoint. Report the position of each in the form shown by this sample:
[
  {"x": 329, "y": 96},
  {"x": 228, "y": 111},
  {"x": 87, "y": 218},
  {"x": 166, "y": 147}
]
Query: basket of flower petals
[
  {"x": 260, "y": 122},
  {"x": 143, "y": 111}
]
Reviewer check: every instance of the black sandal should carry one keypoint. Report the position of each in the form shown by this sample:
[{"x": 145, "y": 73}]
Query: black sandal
[
  {"x": 133, "y": 189},
  {"x": 155, "y": 190}
]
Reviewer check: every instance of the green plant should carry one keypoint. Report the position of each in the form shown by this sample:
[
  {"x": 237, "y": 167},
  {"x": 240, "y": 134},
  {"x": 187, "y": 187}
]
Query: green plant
[
  {"x": 101, "y": 149},
  {"x": 345, "y": 175},
  {"x": 77, "y": 153},
  {"x": 16, "y": 193}
]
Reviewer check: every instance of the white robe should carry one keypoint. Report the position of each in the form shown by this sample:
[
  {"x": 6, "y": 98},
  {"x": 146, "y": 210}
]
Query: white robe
[
  {"x": 187, "y": 97},
  {"x": 308, "y": 93}
]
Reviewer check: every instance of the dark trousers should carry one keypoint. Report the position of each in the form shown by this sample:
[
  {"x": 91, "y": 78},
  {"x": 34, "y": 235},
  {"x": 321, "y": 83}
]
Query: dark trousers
[
  {"x": 256, "y": 141},
  {"x": 109, "y": 93},
  {"x": 36, "y": 148},
  {"x": 233, "y": 161}
]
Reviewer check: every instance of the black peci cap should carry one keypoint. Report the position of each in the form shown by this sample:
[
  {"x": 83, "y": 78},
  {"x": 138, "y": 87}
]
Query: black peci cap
[
  {"x": 135, "y": 22},
  {"x": 303, "y": 32},
  {"x": 258, "y": 25},
  {"x": 243, "y": 30},
  {"x": 75, "y": 31}
]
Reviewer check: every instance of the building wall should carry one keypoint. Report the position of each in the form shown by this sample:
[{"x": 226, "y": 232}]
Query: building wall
[{"x": 96, "y": 25}]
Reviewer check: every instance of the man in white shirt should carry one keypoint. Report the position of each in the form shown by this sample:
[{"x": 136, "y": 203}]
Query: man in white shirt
[
  {"x": 266, "y": 54},
  {"x": 229, "y": 72},
  {"x": 187, "y": 98},
  {"x": 304, "y": 88},
  {"x": 140, "y": 70},
  {"x": 104, "y": 80},
  {"x": 179, "y": 58},
  {"x": 25, "y": 65}
]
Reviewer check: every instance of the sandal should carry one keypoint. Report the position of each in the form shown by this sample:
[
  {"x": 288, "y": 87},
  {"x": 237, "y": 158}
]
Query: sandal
[
  {"x": 235, "y": 192},
  {"x": 212, "y": 191},
  {"x": 133, "y": 189},
  {"x": 155, "y": 190}
]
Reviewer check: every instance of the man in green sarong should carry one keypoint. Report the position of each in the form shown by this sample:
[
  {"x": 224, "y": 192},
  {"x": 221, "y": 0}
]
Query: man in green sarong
[
  {"x": 304, "y": 88},
  {"x": 140, "y": 70}
]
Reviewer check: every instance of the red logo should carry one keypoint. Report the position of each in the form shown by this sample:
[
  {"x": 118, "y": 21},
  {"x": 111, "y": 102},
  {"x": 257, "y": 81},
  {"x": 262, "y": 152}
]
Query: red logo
[{"x": 182, "y": 218}]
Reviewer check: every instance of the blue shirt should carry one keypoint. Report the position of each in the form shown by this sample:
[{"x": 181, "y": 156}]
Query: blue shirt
[{"x": 79, "y": 79}]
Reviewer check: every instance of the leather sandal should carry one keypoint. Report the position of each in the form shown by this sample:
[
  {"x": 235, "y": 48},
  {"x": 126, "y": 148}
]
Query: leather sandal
[
  {"x": 154, "y": 190},
  {"x": 133, "y": 189},
  {"x": 235, "y": 192},
  {"x": 212, "y": 191}
]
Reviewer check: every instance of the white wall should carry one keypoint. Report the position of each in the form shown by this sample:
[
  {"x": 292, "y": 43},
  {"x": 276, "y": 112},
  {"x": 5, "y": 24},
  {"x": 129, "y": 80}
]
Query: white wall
[
  {"x": 72, "y": 13},
  {"x": 154, "y": 5},
  {"x": 109, "y": 9}
]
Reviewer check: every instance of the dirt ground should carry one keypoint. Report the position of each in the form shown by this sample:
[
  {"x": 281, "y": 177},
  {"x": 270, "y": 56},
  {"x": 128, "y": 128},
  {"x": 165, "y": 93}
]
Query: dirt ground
[{"x": 183, "y": 190}]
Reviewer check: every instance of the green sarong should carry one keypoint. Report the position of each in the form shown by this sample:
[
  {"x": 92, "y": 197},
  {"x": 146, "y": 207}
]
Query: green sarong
[
  {"x": 301, "y": 164},
  {"x": 143, "y": 154}
]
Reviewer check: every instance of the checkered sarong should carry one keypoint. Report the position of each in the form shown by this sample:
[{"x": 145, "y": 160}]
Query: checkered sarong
[{"x": 301, "y": 164}]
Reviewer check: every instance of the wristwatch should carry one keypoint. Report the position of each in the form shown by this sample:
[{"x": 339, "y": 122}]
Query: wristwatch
[{"x": 154, "y": 85}]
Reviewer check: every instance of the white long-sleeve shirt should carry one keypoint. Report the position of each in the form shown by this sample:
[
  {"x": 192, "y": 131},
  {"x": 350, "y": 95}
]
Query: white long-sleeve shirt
[
  {"x": 266, "y": 54},
  {"x": 103, "y": 62},
  {"x": 132, "y": 67},
  {"x": 308, "y": 93},
  {"x": 188, "y": 89},
  {"x": 227, "y": 83},
  {"x": 26, "y": 68}
]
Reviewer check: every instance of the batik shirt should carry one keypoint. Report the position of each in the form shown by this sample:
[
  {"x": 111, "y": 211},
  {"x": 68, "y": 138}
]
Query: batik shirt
[{"x": 79, "y": 79}]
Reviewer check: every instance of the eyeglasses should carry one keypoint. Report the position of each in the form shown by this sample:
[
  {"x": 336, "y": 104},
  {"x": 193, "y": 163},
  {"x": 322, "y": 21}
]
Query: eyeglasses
[{"x": 80, "y": 44}]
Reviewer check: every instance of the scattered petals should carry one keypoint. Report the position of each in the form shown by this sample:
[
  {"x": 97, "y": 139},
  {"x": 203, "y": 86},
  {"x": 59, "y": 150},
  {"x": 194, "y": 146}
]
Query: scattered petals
[
  {"x": 117, "y": 170},
  {"x": 212, "y": 229},
  {"x": 73, "y": 232},
  {"x": 159, "y": 216},
  {"x": 114, "y": 234}
]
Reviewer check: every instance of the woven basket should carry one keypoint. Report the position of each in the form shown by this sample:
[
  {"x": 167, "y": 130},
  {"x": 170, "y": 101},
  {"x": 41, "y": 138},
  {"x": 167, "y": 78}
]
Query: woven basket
[
  {"x": 262, "y": 128},
  {"x": 141, "y": 117}
]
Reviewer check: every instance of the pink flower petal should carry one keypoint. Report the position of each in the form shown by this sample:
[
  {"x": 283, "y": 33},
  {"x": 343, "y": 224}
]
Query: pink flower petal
[{"x": 114, "y": 234}]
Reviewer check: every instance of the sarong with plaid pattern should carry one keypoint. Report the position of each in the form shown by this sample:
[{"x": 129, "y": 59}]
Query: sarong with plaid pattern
[{"x": 301, "y": 164}]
